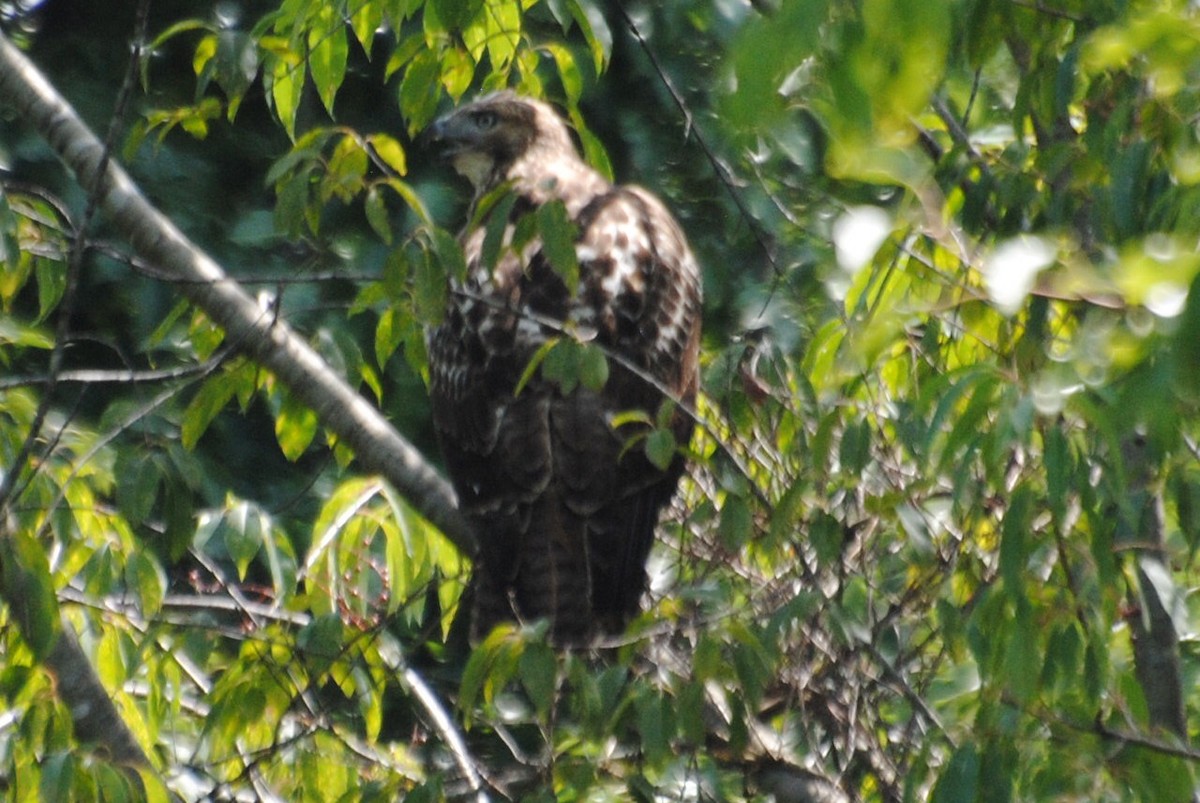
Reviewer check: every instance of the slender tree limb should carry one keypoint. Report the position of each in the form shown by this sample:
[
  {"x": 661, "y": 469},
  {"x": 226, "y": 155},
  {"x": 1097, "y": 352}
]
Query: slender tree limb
[
  {"x": 92, "y": 710},
  {"x": 122, "y": 376},
  {"x": 1155, "y": 599},
  {"x": 271, "y": 343}
]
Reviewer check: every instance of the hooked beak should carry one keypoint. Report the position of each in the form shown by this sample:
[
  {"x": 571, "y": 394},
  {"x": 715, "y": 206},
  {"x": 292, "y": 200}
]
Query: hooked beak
[{"x": 443, "y": 136}]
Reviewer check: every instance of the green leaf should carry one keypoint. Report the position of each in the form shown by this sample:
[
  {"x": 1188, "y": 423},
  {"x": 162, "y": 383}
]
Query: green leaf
[
  {"x": 593, "y": 369},
  {"x": 366, "y": 17},
  {"x": 420, "y": 90},
  {"x": 1022, "y": 661},
  {"x": 206, "y": 49},
  {"x": 403, "y": 53},
  {"x": 348, "y": 166},
  {"x": 491, "y": 665},
  {"x": 560, "y": 364},
  {"x": 458, "y": 69},
  {"x": 178, "y": 514},
  {"x": 292, "y": 196},
  {"x": 534, "y": 363},
  {"x": 855, "y": 450},
  {"x": 147, "y": 580},
  {"x": 328, "y": 51},
  {"x": 173, "y": 30},
  {"x": 388, "y": 337},
  {"x": 736, "y": 523},
  {"x": 295, "y": 427},
  {"x": 429, "y": 288},
  {"x": 960, "y": 779},
  {"x": 236, "y": 66},
  {"x": 58, "y": 777},
  {"x": 449, "y": 254},
  {"x": 497, "y": 206},
  {"x": 661, "y": 448},
  {"x": 655, "y": 726},
  {"x": 558, "y": 242},
  {"x": 299, "y": 155},
  {"x": 377, "y": 214},
  {"x": 538, "y": 671},
  {"x": 153, "y": 789},
  {"x": 593, "y": 149},
  {"x": 827, "y": 537},
  {"x": 410, "y": 198},
  {"x": 15, "y": 333},
  {"x": 786, "y": 513},
  {"x": 110, "y": 660},
  {"x": 285, "y": 80},
  {"x": 452, "y": 15},
  {"x": 244, "y": 527},
  {"x": 595, "y": 30},
  {"x": 390, "y": 151},
  {"x": 51, "y": 282},
  {"x": 502, "y": 21},
  {"x": 568, "y": 72},
  {"x": 1015, "y": 542},
  {"x": 322, "y": 642},
  {"x": 1186, "y": 350},
  {"x": 138, "y": 479},
  {"x": 208, "y": 402}
]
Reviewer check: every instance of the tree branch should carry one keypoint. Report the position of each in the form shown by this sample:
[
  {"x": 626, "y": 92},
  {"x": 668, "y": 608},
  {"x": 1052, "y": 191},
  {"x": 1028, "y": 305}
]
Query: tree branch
[
  {"x": 1155, "y": 599},
  {"x": 156, "y": 240}
]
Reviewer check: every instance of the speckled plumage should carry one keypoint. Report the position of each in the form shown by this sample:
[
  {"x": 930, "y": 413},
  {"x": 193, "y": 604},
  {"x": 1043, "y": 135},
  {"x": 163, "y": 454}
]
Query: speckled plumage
[{"x": 564, "y": 512}]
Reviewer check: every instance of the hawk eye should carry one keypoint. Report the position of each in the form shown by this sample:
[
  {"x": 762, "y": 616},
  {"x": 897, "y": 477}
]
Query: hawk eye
[{"x": 485, "y": 120}]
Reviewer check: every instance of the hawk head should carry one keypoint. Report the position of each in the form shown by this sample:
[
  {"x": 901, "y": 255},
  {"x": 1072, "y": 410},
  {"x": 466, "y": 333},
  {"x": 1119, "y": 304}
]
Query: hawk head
[{"x": 496, "y": 138}]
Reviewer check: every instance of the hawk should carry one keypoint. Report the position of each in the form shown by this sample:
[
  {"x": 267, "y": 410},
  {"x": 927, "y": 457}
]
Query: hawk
[{"x": 564, "y": 502}]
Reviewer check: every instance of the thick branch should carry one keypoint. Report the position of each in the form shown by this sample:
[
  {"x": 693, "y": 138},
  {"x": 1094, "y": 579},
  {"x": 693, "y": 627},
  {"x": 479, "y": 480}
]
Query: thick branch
[
  {"x": 270, "y": 342},
  {"x": 95, "y": 716}
]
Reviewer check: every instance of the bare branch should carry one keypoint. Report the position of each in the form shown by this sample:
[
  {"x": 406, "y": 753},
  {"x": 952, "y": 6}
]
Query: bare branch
[{"x": 126, "y": 376}]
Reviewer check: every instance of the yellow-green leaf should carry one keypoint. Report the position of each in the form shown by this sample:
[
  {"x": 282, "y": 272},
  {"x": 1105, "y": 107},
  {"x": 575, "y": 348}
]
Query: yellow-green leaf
[
  {"x": 295, "y": 426},
  {"x": 328, "y": 50},
  {"x": 390, "y": 151}
]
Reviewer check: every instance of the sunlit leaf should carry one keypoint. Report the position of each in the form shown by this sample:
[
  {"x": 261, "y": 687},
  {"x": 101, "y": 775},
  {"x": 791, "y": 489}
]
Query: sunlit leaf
[
  {"x": 390, "y": 151},
  {"x": 366, "y": 18},
  {"x": 327, "y": 53},
  {"x": 286, "y": 84},
  {"x": 420, "y": 91},
  {"x": 147, "y": 580},
  {"x": 244, "y": 530},
  {"x": 595, "y": 30},
  {"x": 295, "y": 427}
]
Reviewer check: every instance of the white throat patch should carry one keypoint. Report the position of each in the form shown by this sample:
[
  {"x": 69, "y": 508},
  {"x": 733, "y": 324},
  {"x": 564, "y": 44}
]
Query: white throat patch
[{"x": 473, "y": 165}]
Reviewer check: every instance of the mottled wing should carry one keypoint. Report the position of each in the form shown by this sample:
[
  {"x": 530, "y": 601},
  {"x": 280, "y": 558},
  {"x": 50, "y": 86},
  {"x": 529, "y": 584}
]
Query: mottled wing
[
  {"x": 567, "y": 512},
  {"x": 640, "y": 291}
]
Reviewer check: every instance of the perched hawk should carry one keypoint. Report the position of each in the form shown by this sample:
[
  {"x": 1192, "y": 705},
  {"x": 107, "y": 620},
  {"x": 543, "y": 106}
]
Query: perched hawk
[{"x": 564, "y": 504}]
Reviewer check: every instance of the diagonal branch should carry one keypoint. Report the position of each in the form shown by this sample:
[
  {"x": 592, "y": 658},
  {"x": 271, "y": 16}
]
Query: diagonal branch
[{"x": 270, "y": 342}]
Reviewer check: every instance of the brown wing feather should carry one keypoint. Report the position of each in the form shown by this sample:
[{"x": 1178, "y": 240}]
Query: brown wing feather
[{"x": 565, "y": 512}]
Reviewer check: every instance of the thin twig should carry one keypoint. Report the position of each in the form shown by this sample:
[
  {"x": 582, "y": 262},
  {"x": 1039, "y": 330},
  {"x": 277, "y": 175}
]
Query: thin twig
[
  {"x": 723, "y": 171},
  {"x": 126, "y": 376}
]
